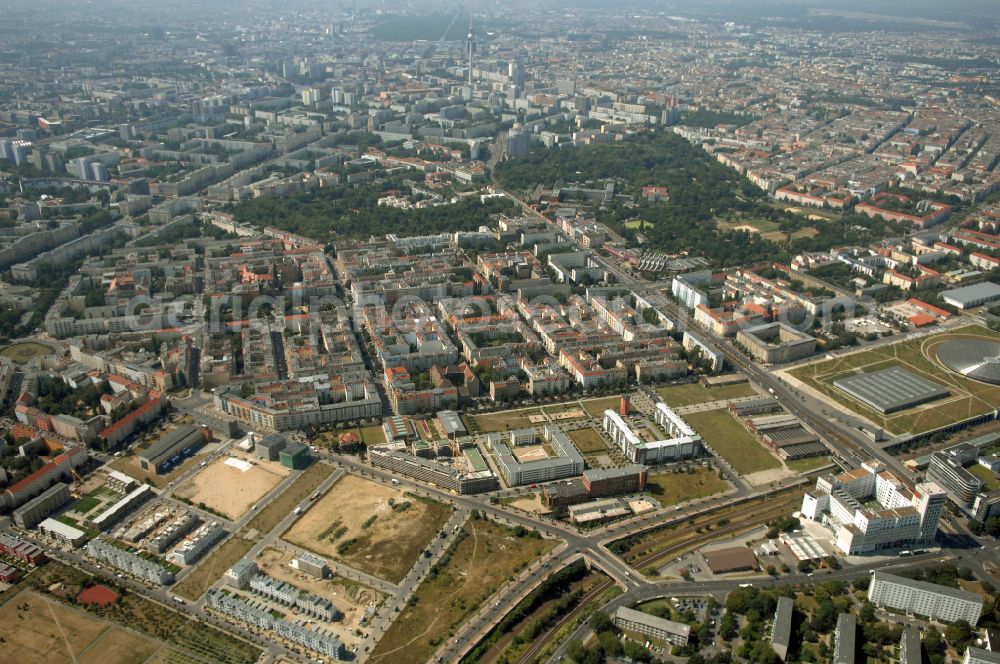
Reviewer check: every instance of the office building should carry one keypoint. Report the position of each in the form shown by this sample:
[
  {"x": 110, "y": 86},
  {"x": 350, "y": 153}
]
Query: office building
[
  {"x": 774, "y": 343},
  {"x": 270, "y": 446},
  {"x": 869, "y": 509},
  {"x": 601, "y": 482},
  {"x": 565, "y": 461},
  {"x": 920, "y": 598},
  {"x": 947, "y": 468}
]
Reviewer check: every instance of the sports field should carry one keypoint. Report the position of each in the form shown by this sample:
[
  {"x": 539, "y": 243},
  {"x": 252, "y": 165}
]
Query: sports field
[{"x": 968, "y": 398}]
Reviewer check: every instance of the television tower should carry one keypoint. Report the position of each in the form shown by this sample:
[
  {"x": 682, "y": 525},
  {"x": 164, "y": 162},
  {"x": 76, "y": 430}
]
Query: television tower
[{"x": 470, "y": 43}]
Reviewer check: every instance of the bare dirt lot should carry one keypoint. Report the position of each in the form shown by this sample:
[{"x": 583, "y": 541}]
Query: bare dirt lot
[
  {"x": 229, "y": 489},
  {"x": 348, "y": 596},
  {"x": 44, "y": 632},
  {"x": 372, "y": 527}
]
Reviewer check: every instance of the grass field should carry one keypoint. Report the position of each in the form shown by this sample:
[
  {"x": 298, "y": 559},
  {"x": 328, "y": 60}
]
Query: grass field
[
  {"x": 373, "y": 435},
  {"x": 587, "y": 440},
  {"x": 85, "y": 504},
  {"x": 487, "y": 556},
  {"x": 370, "y": 526},
  {"x": 805, "y": 465},
  {"x": 989, "y": 478},
  {"x": 696, "y": 393},
  {"x": 26, "y": 351},
  {"x": 212, "y": 567},
  {"x": 504, "y": 420},
  {"x": 278, "y": 509},
  {"x": 638, "y": 224},
  {"x": 673, "y": 488},
  {"x": 595, "y": 407},
  {"x": 733, "y": 442},
  {"x": 968, "y": 397}
]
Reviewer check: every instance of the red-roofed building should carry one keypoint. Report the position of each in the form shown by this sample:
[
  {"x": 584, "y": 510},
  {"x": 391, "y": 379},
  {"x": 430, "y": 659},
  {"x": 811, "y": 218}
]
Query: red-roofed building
[
  {"x": 55, "y": 470},
  {"x": 922, "y": 320},
  {"x": 929, "y": 308},
  {"x": 118, "y": 432},
  {"x": 984, "y": 261}
]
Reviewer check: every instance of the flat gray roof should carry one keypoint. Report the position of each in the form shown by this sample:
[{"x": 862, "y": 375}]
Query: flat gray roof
[
  {"x": 927, "y": 587},
  {"x": 451, "y": 421},
  {"x": 171, "y": 444},
  {"x": 966, "y": 295},
  {"x": 612, "y": 473},
  {"x": 911, "y": 639},
  {"x": 891, "y": 389},
  {"x": 847, "y": 626},
  {"x": 657, "y": 623},
  {"x": 781, "y": 635}
]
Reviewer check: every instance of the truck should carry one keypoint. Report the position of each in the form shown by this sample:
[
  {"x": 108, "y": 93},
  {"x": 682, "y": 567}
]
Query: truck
[{"x": 177, "y": 599}]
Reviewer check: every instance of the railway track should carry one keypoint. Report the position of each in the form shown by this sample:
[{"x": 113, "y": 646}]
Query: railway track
[
  {"x": 742, "y": 519},
  {"x": 529, "y": 655}
]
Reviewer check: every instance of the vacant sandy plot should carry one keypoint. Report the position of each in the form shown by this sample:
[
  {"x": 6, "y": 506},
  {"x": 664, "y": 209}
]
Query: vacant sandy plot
[
  {"x": 482, "y": 560},
  {"x": 44, "y": 632},
  {"x": 230, "y": 485},
  {"x": 350, "y": 598},
  {"x": 375, "y": 528}
]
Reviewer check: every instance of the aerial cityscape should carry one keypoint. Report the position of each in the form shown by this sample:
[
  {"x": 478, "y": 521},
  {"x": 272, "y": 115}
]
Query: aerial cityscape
[{"x": 404, "y": 332}]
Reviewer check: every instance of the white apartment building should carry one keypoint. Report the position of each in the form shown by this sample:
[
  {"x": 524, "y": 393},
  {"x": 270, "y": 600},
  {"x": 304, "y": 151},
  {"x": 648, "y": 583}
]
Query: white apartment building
[
  {"x": 920, "y": 598},
  {"x": 683, "y": 443}
]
